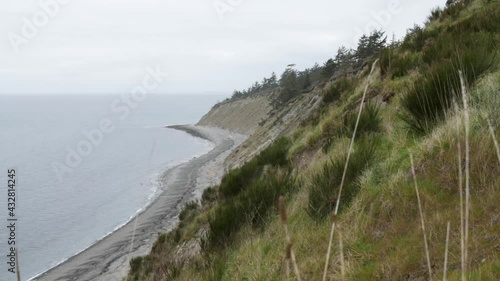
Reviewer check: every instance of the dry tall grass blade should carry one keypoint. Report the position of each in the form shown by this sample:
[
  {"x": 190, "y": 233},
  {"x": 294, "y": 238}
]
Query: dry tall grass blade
[
  {"x": 342, "y": 263},
  {"x": 495, "y": 141},
  {"x": 421, "y": 218},
  {"x": 290, "y": 255},
  {"x": 461, "y": 191},
  {"x": 18, "y": 269},
  {"x": 294, "y": 263},
  {"x": 445, "y": 268},
  {"x": 351, "y": 145},
  {"x": 467, "y": 168}
]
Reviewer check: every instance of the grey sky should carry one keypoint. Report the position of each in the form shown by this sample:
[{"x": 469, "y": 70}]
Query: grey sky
[{"x": 104, "y": 46}]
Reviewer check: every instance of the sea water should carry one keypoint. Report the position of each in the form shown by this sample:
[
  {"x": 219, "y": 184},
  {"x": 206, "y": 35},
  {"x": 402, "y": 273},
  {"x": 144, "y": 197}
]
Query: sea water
[{"x": 85, "y": 165}]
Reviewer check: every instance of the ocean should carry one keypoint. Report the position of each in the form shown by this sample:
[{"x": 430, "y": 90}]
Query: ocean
[{"x": 84, "y": 165}]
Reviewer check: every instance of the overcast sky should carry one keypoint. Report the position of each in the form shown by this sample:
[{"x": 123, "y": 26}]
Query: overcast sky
[{"x": 104, "y": 46}]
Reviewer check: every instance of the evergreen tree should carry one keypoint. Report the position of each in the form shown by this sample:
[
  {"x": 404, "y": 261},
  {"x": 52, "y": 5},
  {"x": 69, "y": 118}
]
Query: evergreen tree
[
  {"x": 307, "y": 81},
  {"x": 370, "y": 46},
  {"x": 345, "y": 58},
  {"x": 236, "y": 94},
  {"x": 288, "y": 84},
  {"x": 273, "y": 81},
  {"x": 328, "y": 69}
]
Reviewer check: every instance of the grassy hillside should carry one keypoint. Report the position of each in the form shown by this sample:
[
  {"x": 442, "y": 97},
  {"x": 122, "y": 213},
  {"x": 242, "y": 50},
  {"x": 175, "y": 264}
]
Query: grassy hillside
[{"x": 433, "y": 97}]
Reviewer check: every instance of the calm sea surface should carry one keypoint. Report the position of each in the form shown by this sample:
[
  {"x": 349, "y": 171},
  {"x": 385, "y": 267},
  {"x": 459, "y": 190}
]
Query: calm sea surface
[{"x": 85, "y": 164}]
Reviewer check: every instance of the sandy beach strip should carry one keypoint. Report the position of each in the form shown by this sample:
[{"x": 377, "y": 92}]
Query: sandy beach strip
[{"x": 108, "y": 259}]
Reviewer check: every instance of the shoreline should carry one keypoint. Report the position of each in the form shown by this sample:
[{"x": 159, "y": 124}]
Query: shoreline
[{"x": 108, "y": 258}]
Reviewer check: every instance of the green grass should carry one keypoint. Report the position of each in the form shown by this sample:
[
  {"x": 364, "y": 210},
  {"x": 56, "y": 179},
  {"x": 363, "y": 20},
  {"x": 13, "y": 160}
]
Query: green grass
[
  {"x": 394, "y": 64},
  {"x": 238, "y": 179},
  {"x": 333, "y": 93},
  {"x": 239, "y": 224},
  {"x": 187, "y": 210},
  {"x": 209, "y": 195},
  {"x": 251, "y": 206},
  {"x": 428, "y": 102},
  {"x": 324, "y": 188},
  {"x": 369, "y": 121}
]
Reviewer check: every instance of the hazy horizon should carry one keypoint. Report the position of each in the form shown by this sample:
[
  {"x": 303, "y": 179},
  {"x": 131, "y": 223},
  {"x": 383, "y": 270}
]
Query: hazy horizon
[{"x": 64, "y": 46}]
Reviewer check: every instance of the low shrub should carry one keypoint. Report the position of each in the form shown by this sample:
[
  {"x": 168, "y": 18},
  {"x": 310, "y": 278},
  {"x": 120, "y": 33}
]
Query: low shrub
[
  {"x": 325, "y": 184},
  {"x": 394, "y": 64},
  {"x": 369, "y": 122},
  {"x": 416, "y": 38},
  {"x": 435, "y": 14},
  {"x": 453, "y": 9},
  {"x": 238, "y": 179},
  {"x": 250, "y": 206},
  {"x": 135, "y": 264},
  {"x": 209, "y": 195},
  {"x": 275, "y": 154},
  {"x": 187, "y": 210},
  {"x": 455, "y": 45},
  {"x": 487, "y": 20},
  {"x": 264, "y": 193},
  {"x": 428, "y": 102},
  {"x": 334, "y": 92},
  {"x": 226, "y": 220}
]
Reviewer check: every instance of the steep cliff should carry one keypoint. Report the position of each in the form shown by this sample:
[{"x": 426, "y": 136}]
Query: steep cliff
[
  {"x": 260, "y": 120},
  {"x": 241, "y": 115}
]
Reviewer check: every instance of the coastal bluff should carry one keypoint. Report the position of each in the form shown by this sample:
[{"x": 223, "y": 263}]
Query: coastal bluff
[{"x": 260, "y": 118}]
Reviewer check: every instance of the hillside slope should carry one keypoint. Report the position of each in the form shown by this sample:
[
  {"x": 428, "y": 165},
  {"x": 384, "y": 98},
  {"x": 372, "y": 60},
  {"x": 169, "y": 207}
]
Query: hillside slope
[
  {"x": 258, "y": 118},
  {"x": 242, "y": 115},
  {"x": 420, "y": 152}
]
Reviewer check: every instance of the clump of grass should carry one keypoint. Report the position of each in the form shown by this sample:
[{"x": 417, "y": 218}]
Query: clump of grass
[
  {"x": 187, "y": 210},
  {"x": 429, "y": 101},
  {"x": 325, "y": 184},
  {"x": 394, "y": 64},
  {"x": 369, "y": 122},
  {"x": 453, "y": 10},
  {"x": 334, "y": 92},
  {"x": 457, "y": 45},
  {"x": 435, "y": 14},
  {"x": 216, "y": 270},
  {"x": 135, "y": 266},
  {"x": 417, "y": 37},
  {"x": 209, "y": 195},
  {"x": 485, "y": 20}
]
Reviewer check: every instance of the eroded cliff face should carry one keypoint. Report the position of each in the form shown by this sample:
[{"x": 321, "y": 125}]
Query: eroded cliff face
[
  {"x": 260, "y": 120},
  {"x": 241, "y": 116}
]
